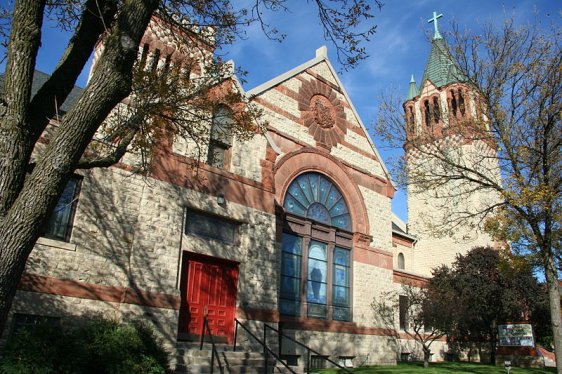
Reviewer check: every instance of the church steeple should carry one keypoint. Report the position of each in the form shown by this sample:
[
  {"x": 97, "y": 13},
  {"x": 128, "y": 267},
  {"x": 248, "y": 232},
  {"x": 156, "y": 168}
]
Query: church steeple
[
  {"x": 444, "y": 117},
  {"x": 412, "y": 89},
  {"x": 440, "y": 69},
  {"x": 442, "y": 97}
]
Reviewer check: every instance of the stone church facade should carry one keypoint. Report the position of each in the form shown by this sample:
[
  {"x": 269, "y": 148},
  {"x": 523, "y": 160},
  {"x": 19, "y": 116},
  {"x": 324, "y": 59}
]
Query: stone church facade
[{"x": 292, "y": 228}]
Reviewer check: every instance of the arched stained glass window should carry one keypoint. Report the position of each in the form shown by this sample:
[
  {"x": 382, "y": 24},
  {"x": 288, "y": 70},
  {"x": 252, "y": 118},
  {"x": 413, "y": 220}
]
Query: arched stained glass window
[{"x": 313, "y": 196}]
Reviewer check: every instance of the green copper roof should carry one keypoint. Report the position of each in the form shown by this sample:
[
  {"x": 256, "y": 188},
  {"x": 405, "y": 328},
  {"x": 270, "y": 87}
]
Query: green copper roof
[
  {"x": 412, "y": 89},
  {"x": 440, "y": 68}
]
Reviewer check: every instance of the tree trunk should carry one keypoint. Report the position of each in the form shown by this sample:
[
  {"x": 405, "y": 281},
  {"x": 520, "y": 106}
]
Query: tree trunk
[
  {"x": 493, "y": 341},
  {"x": 551, "y": 275},
  {"x": 110, "y": 83},
  {"x": 17, "y": 237},
  {"x": 15, "y": 146},
  {"x": 426, "y": 356}
]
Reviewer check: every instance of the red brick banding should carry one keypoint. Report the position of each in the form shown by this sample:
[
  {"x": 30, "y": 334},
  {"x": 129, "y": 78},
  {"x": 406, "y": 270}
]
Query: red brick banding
[
  {"x": 410, "y": 279},
  {"x": 90, "y": 291}
]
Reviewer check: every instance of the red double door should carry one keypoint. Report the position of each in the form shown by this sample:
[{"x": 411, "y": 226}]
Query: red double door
[{"x": 208, "y": 288}]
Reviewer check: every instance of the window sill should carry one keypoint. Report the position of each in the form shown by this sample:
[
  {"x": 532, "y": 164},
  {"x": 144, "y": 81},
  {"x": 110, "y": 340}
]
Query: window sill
[{"x": 56, "y": 244}]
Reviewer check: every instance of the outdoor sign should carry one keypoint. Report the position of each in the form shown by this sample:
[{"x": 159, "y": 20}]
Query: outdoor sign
[{"x": 516, "y": 335}]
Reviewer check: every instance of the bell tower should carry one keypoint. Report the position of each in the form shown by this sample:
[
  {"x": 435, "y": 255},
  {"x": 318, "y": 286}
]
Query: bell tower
[{"x": 441, "y": 115}]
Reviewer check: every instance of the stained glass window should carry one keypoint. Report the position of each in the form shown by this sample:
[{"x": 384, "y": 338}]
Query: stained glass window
[
  {"x": 341, "y": 285},
  {"x": 317, "y": 279},
  {"x": 291, "y": 252},
  {"x": 313, "y": 196}
]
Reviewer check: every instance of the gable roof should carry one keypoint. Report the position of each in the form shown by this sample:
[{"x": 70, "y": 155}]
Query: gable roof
[
  {"x": 321, "y": 56},
  {"x": 39, "y": 78}
]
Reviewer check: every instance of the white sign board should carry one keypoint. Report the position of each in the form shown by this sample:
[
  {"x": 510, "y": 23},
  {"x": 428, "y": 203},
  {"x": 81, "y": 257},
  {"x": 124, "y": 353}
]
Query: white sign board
[{"x": 516, "y": 335}]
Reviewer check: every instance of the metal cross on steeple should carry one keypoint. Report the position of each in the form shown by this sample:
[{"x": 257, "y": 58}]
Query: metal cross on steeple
[{"x": 434, "y": 20}]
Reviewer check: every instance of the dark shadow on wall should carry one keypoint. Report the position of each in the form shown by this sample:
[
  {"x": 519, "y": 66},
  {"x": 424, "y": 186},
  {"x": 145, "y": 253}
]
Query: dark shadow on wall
[{"x": 112, "y": 272}]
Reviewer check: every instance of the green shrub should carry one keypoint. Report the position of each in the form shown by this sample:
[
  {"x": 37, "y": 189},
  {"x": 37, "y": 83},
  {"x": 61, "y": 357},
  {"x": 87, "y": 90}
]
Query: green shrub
[{"x": 100, "y": 346}]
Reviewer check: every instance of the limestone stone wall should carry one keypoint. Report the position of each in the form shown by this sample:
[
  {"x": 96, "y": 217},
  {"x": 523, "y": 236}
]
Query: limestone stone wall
[
  {"x": 367, "y": 349},
  {"x": 410, "y": 256},
  {"x": 284, "y": 125},
  {"x": 281, "y": 111},
  {"x": 246, "y": 157},
  {"x": 358, "y": 160},
  {"x": 164, "y": 321},
  {"x": 369, "y": 283},
  {"x": 434, "y": 215},
  {"x": 380, "y": 215},
  {"x": 413, "y": 350},
  {"x": 128, "y": 233}
]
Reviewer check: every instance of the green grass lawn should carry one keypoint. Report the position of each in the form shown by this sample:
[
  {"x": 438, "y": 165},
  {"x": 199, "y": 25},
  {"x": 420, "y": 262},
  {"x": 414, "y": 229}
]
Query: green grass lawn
[{"x": 441, "y": 368}]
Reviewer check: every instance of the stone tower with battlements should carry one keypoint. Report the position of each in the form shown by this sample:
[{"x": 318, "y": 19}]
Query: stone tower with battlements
[{"x": 442, "y": 111}]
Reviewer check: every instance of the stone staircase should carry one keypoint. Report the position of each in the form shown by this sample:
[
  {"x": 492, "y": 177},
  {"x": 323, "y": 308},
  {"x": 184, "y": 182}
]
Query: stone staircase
[{"x": 192, "y": 360}]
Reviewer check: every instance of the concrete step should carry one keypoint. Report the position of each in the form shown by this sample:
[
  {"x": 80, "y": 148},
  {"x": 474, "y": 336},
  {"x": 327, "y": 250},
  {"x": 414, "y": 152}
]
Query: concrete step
[
  {"x": 195, "y": 361},
  {"x": 206, "y": 369},
  {"x": 280, "y": 369}
]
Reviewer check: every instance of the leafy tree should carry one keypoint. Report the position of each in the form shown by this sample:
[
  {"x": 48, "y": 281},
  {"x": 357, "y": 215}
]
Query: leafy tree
[
  {"x": 485, "y": 290},
  {"x": 515, "y": 74},
  {"x": 421, "y": 314},
  {"x": 95, "y": 346},
  {"x": 30, "y": 185}
]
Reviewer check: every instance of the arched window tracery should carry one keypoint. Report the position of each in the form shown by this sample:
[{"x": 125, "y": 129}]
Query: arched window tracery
[{"x": 313, "y": 196}]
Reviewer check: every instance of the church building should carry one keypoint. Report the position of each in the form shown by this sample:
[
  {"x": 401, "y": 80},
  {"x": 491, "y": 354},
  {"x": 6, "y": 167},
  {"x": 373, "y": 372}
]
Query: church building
[{"x": 292, "y": 228}]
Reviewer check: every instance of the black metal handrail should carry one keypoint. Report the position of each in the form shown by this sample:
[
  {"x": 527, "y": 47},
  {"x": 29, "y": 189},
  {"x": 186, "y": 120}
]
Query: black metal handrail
[
  {"x": 266, "y": 349},
  {"x": 214, "y": 352},
  {"x": 309, "y": 350}
]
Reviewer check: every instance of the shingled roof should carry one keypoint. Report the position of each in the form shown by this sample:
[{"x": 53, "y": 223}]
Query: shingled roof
[
  {"x": 441, "y": 69},
  {"x": 39, "y": 78}
]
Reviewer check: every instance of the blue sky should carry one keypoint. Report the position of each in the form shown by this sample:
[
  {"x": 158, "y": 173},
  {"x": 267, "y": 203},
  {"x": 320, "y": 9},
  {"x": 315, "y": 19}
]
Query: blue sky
[{"x": 398, "y": 49}]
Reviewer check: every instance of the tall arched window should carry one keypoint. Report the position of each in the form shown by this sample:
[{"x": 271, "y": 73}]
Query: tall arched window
[
  {"x": 316, "y": 251},
  {"x": 221, "y": 136}
]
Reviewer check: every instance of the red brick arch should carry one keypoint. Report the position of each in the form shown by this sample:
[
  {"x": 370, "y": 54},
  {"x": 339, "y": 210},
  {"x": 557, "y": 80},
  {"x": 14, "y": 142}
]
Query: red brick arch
[{"x": 311, "y": 160}]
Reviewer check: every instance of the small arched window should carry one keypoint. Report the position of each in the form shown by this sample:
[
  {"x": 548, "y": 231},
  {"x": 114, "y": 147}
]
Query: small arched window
[
  {"x": 426, "y": 113},
  {"x": 410, "y": 120},
  {"x": 221, "y": 136},
  {"x": 436, "y": 110},
  {"x": 461, "y": 103},
  {"x": 401, "y": 262},
  {"x": 457, "y": 103},
  {"x": 454, "y": 105}
]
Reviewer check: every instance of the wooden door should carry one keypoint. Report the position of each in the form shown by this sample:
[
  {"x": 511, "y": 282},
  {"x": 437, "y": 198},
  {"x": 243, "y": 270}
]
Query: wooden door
[{"x": 208, "y": 288}]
